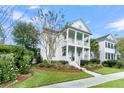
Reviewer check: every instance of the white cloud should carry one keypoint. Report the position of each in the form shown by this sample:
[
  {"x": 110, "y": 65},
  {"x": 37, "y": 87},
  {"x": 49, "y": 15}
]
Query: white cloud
[
  {"x": 34, "y": 7},
  {"x": 17, "y": 15},
  {"x": 116, "y": 25},
  {"x": 20, "y": 15}
]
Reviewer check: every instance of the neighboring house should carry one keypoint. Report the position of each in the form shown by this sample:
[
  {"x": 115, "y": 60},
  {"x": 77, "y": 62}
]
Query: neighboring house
[
  {"x": 107, "y": 48},
  {"x": 74, "y": 45}
]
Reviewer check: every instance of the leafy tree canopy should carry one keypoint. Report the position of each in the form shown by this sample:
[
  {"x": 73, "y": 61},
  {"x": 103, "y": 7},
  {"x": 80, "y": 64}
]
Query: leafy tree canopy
[{"x": 26, "y": 35}]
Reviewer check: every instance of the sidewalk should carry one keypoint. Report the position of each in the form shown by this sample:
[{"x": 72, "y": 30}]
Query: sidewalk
[{"x": 88, "y": 82}]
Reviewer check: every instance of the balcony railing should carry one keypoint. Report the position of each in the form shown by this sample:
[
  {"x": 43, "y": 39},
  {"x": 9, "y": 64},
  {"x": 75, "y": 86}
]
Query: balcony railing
[
  {"x": 86, "y": 44},
  {"x": 70, "y": 40},
  {"x": 79, "y": 42},
  {"x": 86, "y": 57}
]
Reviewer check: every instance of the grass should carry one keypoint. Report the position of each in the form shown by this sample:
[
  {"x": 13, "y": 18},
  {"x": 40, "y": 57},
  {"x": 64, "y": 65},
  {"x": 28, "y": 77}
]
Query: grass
[
  {"x": 112, "y": 84},
  {"x": 108, "y": 70},
  {"x": 41, "y": 78}
]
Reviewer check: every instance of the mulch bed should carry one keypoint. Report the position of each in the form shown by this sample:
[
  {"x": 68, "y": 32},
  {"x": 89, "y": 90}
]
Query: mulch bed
[
  {"x": 20, "y": 78},
  {"x": 62, "y": 68}
]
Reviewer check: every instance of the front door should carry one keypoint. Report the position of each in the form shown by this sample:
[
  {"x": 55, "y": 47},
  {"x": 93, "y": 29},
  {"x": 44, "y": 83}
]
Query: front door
[{"x": 71, "y": 56}]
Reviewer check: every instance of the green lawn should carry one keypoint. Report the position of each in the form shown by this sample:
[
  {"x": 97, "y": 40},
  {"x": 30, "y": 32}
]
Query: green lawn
[
  {"x": 112, "y": 84},
  {"x": 41, "y": 78},
  {"x": 108, "y": 70}
]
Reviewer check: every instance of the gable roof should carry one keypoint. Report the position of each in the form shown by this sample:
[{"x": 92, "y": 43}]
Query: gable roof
[
  {"x": 106, "y": 38},
  {"x": 79, "y": 25}
]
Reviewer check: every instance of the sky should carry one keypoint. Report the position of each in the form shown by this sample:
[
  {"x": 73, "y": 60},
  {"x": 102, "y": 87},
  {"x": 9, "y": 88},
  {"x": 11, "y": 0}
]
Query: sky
[{"x": 100, "y": 20}]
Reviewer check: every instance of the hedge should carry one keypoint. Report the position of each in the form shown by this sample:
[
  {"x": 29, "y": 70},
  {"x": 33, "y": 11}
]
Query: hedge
[
  {"x": 120, "y": 65},
  {"x": 7, "y": 68},
  {"x": 14, "y": 59},
  {"x": 95, "y": 61},
  {"x": 109, "y": 63},
  {"x": 84, "y": 62}
]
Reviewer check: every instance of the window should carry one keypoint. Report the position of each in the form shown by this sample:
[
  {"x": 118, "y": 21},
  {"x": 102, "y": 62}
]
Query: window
[
  {"x": 106, "y": 44},
  {"x": 115, "y": 47},
  {"x": 108, "y": 55},
  {"x": 86, "y": 38},
  {"x": 112, "y": 56},
  {"x": 111, "y": 46},
  {"x": 64, "y": 51}
]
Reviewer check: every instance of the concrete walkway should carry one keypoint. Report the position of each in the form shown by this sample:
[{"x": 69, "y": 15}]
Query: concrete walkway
[
  {"x": 88, "y": 82},
  {"x": 90, "y": 72}
]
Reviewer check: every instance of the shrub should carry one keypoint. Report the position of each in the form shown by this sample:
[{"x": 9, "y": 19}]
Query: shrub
[
  {"x": 63, "y": 62},
  {"x": 93, "y": 66},
  {"x": 56, "y": 63},
  {"x": 39, "y": 58},
  {"x": 7, "y": 68},
  {"x": 9, "y": 48},
  {"x": 14, "y": 59},
  {"x": 84, "y": 62},
  {"x": 45, "y": 64},
  {"x": 53, "y": 64},
  {"x": 24, "y": 65},
  {"x": 120, "y": 64},
  {"x": 95, "y": 61},
  {"x": 22, "y": 57},
  {"x": 109, "y": 63}
]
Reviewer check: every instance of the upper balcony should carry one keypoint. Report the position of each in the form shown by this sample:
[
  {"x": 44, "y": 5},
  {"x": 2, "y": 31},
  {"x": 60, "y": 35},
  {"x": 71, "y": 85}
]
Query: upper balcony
[{"x": 77, "y": 38}]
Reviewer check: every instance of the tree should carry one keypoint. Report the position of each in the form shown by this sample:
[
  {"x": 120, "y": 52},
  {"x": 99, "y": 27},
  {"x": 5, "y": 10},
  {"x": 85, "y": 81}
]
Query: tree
[
  {"x": 26, "y": 35},
  {"x": 50, "y": 25},
  {"x": 2, "y": 35},
  {"x": 6, "y": 21},
  {"x": 94, "y": 47},
  {"x": 120, "y": 47}
]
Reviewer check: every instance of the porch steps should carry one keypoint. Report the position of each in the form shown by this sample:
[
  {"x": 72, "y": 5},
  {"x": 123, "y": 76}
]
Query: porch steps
[
  {"x": 74, "y": 64},
  {"x": 84, "y": 69}
]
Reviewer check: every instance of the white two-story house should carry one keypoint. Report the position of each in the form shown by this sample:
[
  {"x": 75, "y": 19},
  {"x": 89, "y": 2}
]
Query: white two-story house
[
  {"x": 75, "y": 45},
  {"x": 107, "y": 48}
]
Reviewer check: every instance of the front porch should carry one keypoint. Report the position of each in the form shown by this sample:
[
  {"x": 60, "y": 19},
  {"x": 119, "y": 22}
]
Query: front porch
[{"x": 75, "y": 54}]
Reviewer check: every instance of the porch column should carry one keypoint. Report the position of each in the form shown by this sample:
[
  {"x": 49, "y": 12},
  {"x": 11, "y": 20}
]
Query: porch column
[
  {"x": 89, "y": 54},
  {"x": 75, "y": 54},
  {"x": 67, "y": 34},
  {"x": 82, "y": 53},
  {"x": 75, "y": 37},
  {"x": 89, "y": 41},
  {"x": 83, "y": 39},
  {"x": 89, "y": 48}
]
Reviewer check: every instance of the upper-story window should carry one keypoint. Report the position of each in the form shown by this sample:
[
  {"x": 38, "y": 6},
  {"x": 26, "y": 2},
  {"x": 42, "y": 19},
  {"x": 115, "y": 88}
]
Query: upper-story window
[
  {"x": 79, "y": 36},
  {"x": 86, "y": 38},
  {"x": 106, "y": 45},
  {"x": 109, "y": 45},
  {"x": 71, "y": 34}
]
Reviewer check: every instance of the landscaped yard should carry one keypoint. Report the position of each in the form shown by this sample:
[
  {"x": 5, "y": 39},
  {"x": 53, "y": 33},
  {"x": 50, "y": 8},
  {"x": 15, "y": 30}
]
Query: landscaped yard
[
  {"x": 108, "y": 70},
  {"x": 41, "y": 78},
  {"x": 112, "y": 84}
]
